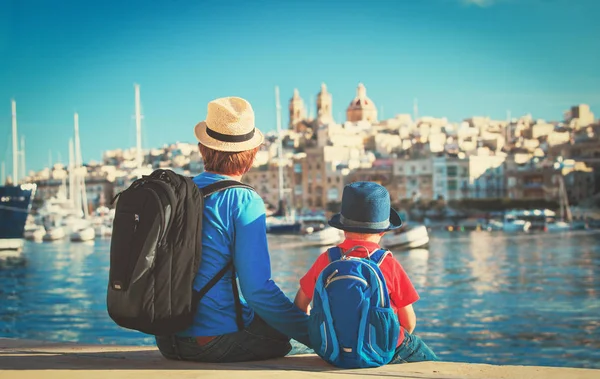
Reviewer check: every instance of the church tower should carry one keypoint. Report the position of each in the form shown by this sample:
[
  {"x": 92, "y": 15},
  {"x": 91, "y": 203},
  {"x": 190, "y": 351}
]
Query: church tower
[
  {"x": 324, "y": 104},
  {"x": 361, "y": 108},
  {"x": 297, "y": 109}
]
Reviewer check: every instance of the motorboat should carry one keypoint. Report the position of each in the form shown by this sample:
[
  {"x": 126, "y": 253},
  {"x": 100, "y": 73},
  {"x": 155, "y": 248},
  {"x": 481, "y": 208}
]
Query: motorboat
[
  {"x": 54, "y": 233},
  {"x": 84, "y": 234},
  {"x": 322, "y": 237},
  {"x": 513, "y": 224},
  {"x": 410, "y": 236},
  {"x": 34, "y": 232}
]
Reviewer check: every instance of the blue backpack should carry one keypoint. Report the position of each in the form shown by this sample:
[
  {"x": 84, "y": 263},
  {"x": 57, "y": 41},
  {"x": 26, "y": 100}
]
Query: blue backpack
[{"x": 352, "y": 324}]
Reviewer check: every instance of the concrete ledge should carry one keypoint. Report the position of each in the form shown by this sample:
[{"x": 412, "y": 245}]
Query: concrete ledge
[{"x": 33, "y": 359}]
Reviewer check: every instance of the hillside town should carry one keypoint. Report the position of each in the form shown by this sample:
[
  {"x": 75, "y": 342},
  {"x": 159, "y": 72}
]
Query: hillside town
[{"x": 423, "y": 161}]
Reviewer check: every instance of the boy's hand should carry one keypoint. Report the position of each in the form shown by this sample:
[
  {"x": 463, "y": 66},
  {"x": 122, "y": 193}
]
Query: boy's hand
[{"x": 302, "y": 301}]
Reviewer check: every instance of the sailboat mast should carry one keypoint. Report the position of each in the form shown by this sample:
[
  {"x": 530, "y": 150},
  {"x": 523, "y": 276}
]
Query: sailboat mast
[
  {"x": 138, "y": 126},
  {"x": 71, "y": 172},
  {"x": 80, "y": 178},
  {"x": 15, "y": 148},
  {"x": 22, "y": 153},
  {"x": 279, "y": 143}
]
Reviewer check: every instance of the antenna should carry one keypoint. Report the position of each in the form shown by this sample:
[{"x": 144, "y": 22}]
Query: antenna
[
  {"x": 14, "y": 143},
  {"x": 3, "y": 173},
  {"x": 416, "y": 109}
]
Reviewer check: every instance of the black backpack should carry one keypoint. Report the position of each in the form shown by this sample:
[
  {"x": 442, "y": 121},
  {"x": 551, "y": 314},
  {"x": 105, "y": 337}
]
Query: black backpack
[{"x": 155, "y": 252}]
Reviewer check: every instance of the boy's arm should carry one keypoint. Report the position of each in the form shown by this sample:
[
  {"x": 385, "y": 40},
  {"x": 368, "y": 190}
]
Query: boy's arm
[
  {"x": 308, "y": 282},
  {"x": 403, "y": 294},
  {"x": 302, "y": 301},
  {"x": 407, "y": 318}
]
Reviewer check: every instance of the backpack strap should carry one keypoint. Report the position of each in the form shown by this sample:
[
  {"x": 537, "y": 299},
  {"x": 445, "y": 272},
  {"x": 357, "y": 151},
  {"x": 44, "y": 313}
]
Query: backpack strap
[
  {"x": 222, "y": 185},
  {"x": 379, "y": 255},
  {"x": 334, "y": 253},
  {"x": 198, "y": 295}
]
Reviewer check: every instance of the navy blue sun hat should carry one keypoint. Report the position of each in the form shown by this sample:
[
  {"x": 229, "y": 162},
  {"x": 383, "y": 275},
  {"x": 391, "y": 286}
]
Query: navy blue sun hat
[{"x": 366, "y": 208}]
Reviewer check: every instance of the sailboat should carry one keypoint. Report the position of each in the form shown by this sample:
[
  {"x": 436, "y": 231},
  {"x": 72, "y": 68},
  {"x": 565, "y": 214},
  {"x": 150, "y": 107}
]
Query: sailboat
[
  {"x": 82, "y": 229},
  {"x": 284, "y": 220},
  {"x": 15, "y": 200},
  {"x": 566, "y": 218}
]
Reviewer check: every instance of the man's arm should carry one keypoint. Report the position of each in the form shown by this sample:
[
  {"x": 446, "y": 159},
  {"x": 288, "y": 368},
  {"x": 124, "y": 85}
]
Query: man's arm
[{"x": 253, "y": 265}]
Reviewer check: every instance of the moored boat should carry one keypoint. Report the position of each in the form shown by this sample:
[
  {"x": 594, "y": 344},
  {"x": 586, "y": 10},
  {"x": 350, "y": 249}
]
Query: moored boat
[{"x": 410, "y": 236}]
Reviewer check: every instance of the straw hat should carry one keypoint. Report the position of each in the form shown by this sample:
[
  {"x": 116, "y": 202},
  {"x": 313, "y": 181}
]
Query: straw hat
[{"x": 229, "y": 126}]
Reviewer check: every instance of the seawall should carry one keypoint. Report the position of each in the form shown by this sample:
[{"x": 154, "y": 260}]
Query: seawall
[{"x": 34, "y": 359}]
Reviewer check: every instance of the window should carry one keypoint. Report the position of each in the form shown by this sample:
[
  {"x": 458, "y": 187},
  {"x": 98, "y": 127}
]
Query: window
[
  {"x": 452, "y": 170},
  {"x": 452, "y": 185}
]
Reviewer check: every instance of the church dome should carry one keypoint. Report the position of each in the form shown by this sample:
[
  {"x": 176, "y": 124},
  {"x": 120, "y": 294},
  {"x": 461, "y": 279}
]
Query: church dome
[
  {"x": 361, "y": 108},
  {"x": 361, "y": 101}
]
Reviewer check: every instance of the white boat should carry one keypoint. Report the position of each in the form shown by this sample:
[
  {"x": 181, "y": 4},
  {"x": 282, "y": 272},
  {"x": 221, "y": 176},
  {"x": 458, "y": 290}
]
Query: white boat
[
  {"x": 84, "y": 234},
  {"x": 326, "y": 236},
  {"x": 54, "y": 233},
  {"x": 411, "y": 236},
  {"x": 34, "y": 232},
  {"x": 558, "y": 226},
  {"x": 513, "y": 224},
  {"x": 103, "y": 230}
]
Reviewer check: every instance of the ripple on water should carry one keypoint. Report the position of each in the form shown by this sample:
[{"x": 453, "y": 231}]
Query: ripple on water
[{"x": 485, "y": 297}]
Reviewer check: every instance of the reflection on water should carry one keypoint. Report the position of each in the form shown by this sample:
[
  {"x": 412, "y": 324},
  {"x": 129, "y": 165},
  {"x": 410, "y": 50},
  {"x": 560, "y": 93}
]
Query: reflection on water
[{"x": 485, "y": 297}]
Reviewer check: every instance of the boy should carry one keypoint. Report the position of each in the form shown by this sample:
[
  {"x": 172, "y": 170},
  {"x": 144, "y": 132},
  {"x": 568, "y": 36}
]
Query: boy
[{"x": 365, "y": 216}]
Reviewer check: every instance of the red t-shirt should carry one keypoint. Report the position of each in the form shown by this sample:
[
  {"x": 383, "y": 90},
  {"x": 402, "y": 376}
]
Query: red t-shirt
[{"x": 400, "y": 288}]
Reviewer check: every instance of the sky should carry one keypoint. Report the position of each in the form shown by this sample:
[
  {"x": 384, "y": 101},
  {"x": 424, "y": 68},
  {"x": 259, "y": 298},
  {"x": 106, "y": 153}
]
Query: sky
[{"x": 459, "y": 58}]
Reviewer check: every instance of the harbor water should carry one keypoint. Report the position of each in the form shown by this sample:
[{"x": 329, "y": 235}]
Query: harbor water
[{"x": 531, "y": 299}]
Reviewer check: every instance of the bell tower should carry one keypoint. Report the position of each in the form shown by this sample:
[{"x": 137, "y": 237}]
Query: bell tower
[
  {"x": 324, "y": 104},
  {"x": 297, "y": 109}
]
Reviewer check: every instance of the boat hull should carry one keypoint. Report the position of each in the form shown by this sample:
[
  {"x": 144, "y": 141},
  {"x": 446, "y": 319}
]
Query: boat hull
[
  {"x": 15, "y": 204},
  {"x": 412, "y": 238},
  {"x": 294, "y": 228}
]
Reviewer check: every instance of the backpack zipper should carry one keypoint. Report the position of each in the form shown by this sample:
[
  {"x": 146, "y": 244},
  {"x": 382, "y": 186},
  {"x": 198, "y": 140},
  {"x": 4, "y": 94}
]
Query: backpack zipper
[{"x": 346, "y": 277}]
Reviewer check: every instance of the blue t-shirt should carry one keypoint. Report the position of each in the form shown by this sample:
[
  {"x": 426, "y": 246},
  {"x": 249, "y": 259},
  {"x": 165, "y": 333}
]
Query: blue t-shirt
[{"x": 235, "y": 225}]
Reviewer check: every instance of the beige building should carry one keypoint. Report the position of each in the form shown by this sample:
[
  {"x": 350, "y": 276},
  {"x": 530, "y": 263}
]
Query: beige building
[
  {"x": 579, "y": 116},
  {"x": 297, "y": 110},
  {"x": 265, "y": 180},
  {"x": 451, "y": 177},
  {"x": 318, "y": 180},
  {"x": 324, "y": 106},
  {"x": 361, "y": 108},
  {"x": 412, "y": 179}
]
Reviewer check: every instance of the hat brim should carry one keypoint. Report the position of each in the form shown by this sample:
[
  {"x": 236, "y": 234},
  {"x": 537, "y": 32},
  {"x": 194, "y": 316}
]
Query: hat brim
[
  {"x": 395, "y": 223},
  {"x": 215, "y": 144}
]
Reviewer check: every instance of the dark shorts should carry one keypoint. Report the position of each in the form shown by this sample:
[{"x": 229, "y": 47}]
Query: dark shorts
[{"x": 257, "y": 342}]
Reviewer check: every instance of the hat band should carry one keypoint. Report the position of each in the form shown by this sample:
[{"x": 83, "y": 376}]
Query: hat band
[
  {"x": 371, "y": 225},
  {"x": 228, "y": 137}
]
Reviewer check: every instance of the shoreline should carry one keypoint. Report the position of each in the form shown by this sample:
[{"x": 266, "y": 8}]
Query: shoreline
[{"x": 28, "y": 358}]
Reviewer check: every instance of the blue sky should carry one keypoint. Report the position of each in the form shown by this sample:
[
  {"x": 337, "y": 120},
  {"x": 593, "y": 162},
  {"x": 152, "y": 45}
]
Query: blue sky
[{"x": 458, "y": 57}]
